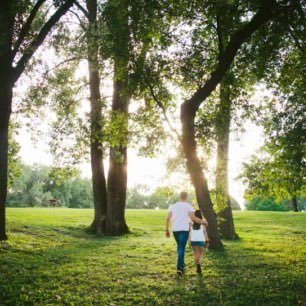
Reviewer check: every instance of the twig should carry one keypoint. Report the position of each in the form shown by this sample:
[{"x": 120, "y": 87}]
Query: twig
[
  {"x": 81, "y": 23},
  {"x": 160, "y": 104},
  {"x": 82, "y": 9}
]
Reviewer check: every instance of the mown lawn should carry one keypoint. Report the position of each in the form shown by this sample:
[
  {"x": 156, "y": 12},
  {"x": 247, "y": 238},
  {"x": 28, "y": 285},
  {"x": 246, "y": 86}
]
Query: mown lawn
[{"x": 51, "y": 259}]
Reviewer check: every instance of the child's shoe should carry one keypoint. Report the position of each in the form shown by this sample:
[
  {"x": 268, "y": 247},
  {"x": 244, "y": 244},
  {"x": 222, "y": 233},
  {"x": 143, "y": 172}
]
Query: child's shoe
[{"x": 199, "y": 270}]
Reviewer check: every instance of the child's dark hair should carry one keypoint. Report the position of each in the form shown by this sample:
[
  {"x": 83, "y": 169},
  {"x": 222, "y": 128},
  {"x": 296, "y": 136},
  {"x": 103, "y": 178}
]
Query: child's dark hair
[{"x": 198, "y": 214}]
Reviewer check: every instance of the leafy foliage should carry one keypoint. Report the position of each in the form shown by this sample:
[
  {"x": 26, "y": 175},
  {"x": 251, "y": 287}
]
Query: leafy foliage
[
  {"x": 160, "y": 198},
  {"x": 38, "y": 184},
  {"x": 280, "y": 170},
  {"x": 269, "y": 204}
]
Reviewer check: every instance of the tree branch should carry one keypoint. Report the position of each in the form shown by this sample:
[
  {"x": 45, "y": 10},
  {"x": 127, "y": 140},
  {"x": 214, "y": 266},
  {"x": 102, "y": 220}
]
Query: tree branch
[
  {"x": 61, "y": 63},
  {"x": 82, "y": 25},
  {"x": 80, "y": 7},
  {"x": 160, "y": 104},
  {"x": 265, "y": 13},
  {"x": 296, "y": 40},
  {"x": 39, "y": 38},
  {"x": 26, "y": 27}
]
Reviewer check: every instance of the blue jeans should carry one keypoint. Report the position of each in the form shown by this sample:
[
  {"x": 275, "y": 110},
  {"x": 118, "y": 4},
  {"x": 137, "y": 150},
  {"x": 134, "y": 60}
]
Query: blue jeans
[{"x": 181, "y": 238}]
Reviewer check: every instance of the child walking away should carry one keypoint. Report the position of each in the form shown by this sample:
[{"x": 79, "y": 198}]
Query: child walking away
[{"x": 198, "y": 239}]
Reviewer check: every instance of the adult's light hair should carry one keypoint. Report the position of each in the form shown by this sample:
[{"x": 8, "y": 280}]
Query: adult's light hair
[{"x": 183, "y": 195}]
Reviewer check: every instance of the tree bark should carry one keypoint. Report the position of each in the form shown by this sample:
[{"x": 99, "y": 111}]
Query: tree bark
[
  {"x": 223, "y": 202},
  {"x": 294, "y": 204},
  {"x": 5, "y": 112},
  {"x": 96, "y": 157},
  {"x": 7, "y": 15},
  {"x": 96, "y": 145},
  {"x": 224, "y": 209},
  {"x": 117, "y": 174}
]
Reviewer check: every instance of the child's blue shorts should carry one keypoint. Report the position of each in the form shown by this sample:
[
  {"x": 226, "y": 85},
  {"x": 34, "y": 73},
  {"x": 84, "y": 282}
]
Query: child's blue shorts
[{"x": 197, "y": 243}]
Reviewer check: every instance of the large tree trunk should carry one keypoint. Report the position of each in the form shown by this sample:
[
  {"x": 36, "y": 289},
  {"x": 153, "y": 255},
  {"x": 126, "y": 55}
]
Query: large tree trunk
[
  {"x": 7, "y": 15},
  {"x": 5, "y": 111},
  {"x": 98, "y": 176},
  {"x": 117, "y": 174},
  {"x": 294, "y": 204},
  {"x": 96, "y": 146},
  {"x": 223, "y": 202},
  {"x": 197, "y": 177}
]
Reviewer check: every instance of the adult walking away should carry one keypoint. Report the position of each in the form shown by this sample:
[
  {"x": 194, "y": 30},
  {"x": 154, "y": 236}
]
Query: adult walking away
[{"x": 180, "y": 213}]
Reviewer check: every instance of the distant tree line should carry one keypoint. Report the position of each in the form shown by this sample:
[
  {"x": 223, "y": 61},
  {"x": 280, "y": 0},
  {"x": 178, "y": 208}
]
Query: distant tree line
[
  {"x": 36, "y": 186},
  {"x": 270, "y": 204},
  {"x": 161, "y": 197}
]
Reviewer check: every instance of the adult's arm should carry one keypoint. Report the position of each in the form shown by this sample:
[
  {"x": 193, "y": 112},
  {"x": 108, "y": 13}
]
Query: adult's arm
[
  {"x": 196, "y": 219},
  {"x": 168, "y": 223}
]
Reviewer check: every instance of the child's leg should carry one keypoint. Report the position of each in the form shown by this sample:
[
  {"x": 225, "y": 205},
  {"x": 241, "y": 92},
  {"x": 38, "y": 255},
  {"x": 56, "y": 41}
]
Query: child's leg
[
  {"x": 197, "y": 259},
  {"x": 196, "y": 254},
  {"x": 201, "y": 253}
]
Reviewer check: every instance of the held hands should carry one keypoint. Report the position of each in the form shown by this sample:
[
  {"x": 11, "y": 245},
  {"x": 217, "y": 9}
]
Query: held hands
[{"x": 167, "y": 233}]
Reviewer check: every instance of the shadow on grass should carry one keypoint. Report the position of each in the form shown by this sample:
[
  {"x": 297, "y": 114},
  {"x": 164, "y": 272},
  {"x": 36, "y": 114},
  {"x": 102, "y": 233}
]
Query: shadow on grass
[
  {"x": 75, "y": 266},
  {"x": 65, "y": 257}
]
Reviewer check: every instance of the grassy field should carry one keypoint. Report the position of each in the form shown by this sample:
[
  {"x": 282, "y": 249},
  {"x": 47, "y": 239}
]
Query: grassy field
[{"x": 51, "y": 259}]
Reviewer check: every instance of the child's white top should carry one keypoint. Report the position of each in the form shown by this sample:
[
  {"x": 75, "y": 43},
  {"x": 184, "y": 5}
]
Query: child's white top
[
  {"x": 197, "y": 235},
  {"x": 180, "y": 216}
]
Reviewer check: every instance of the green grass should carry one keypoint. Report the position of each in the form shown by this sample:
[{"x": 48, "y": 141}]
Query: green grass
[{"x": 51, "y": 259}]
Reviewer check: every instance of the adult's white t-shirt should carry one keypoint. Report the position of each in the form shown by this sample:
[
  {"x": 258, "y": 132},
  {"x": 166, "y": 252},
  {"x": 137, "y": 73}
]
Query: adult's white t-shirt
[{"x": 180, "y": 216}]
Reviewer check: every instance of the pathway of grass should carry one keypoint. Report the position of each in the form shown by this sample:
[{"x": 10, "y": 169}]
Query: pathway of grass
[{"x": 51, "y": 259}]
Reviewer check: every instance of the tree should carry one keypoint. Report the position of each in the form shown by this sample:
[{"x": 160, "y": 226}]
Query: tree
[
  {"x": 223, "y": 124},
  {"x": 199, "y": 85},
  {"x": 81, "y": 193},
  {"x": 190, "y": 107},
  {"x": 136, "y": 196},
  {"x": 279, "y": 171},
  {"x": 30, "y": 187},
  {"x": 130, "y": 29},
  {"x": 284, "y": 129},
  {"x": 37, "y": 184},
  {"x": 267, "y": 204},
  {"x": 23, "y": 28},
  {"x": 279, "y": 175},
  {"x": 96, "y": 140},
  {"x": 116, "y": 15}
]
